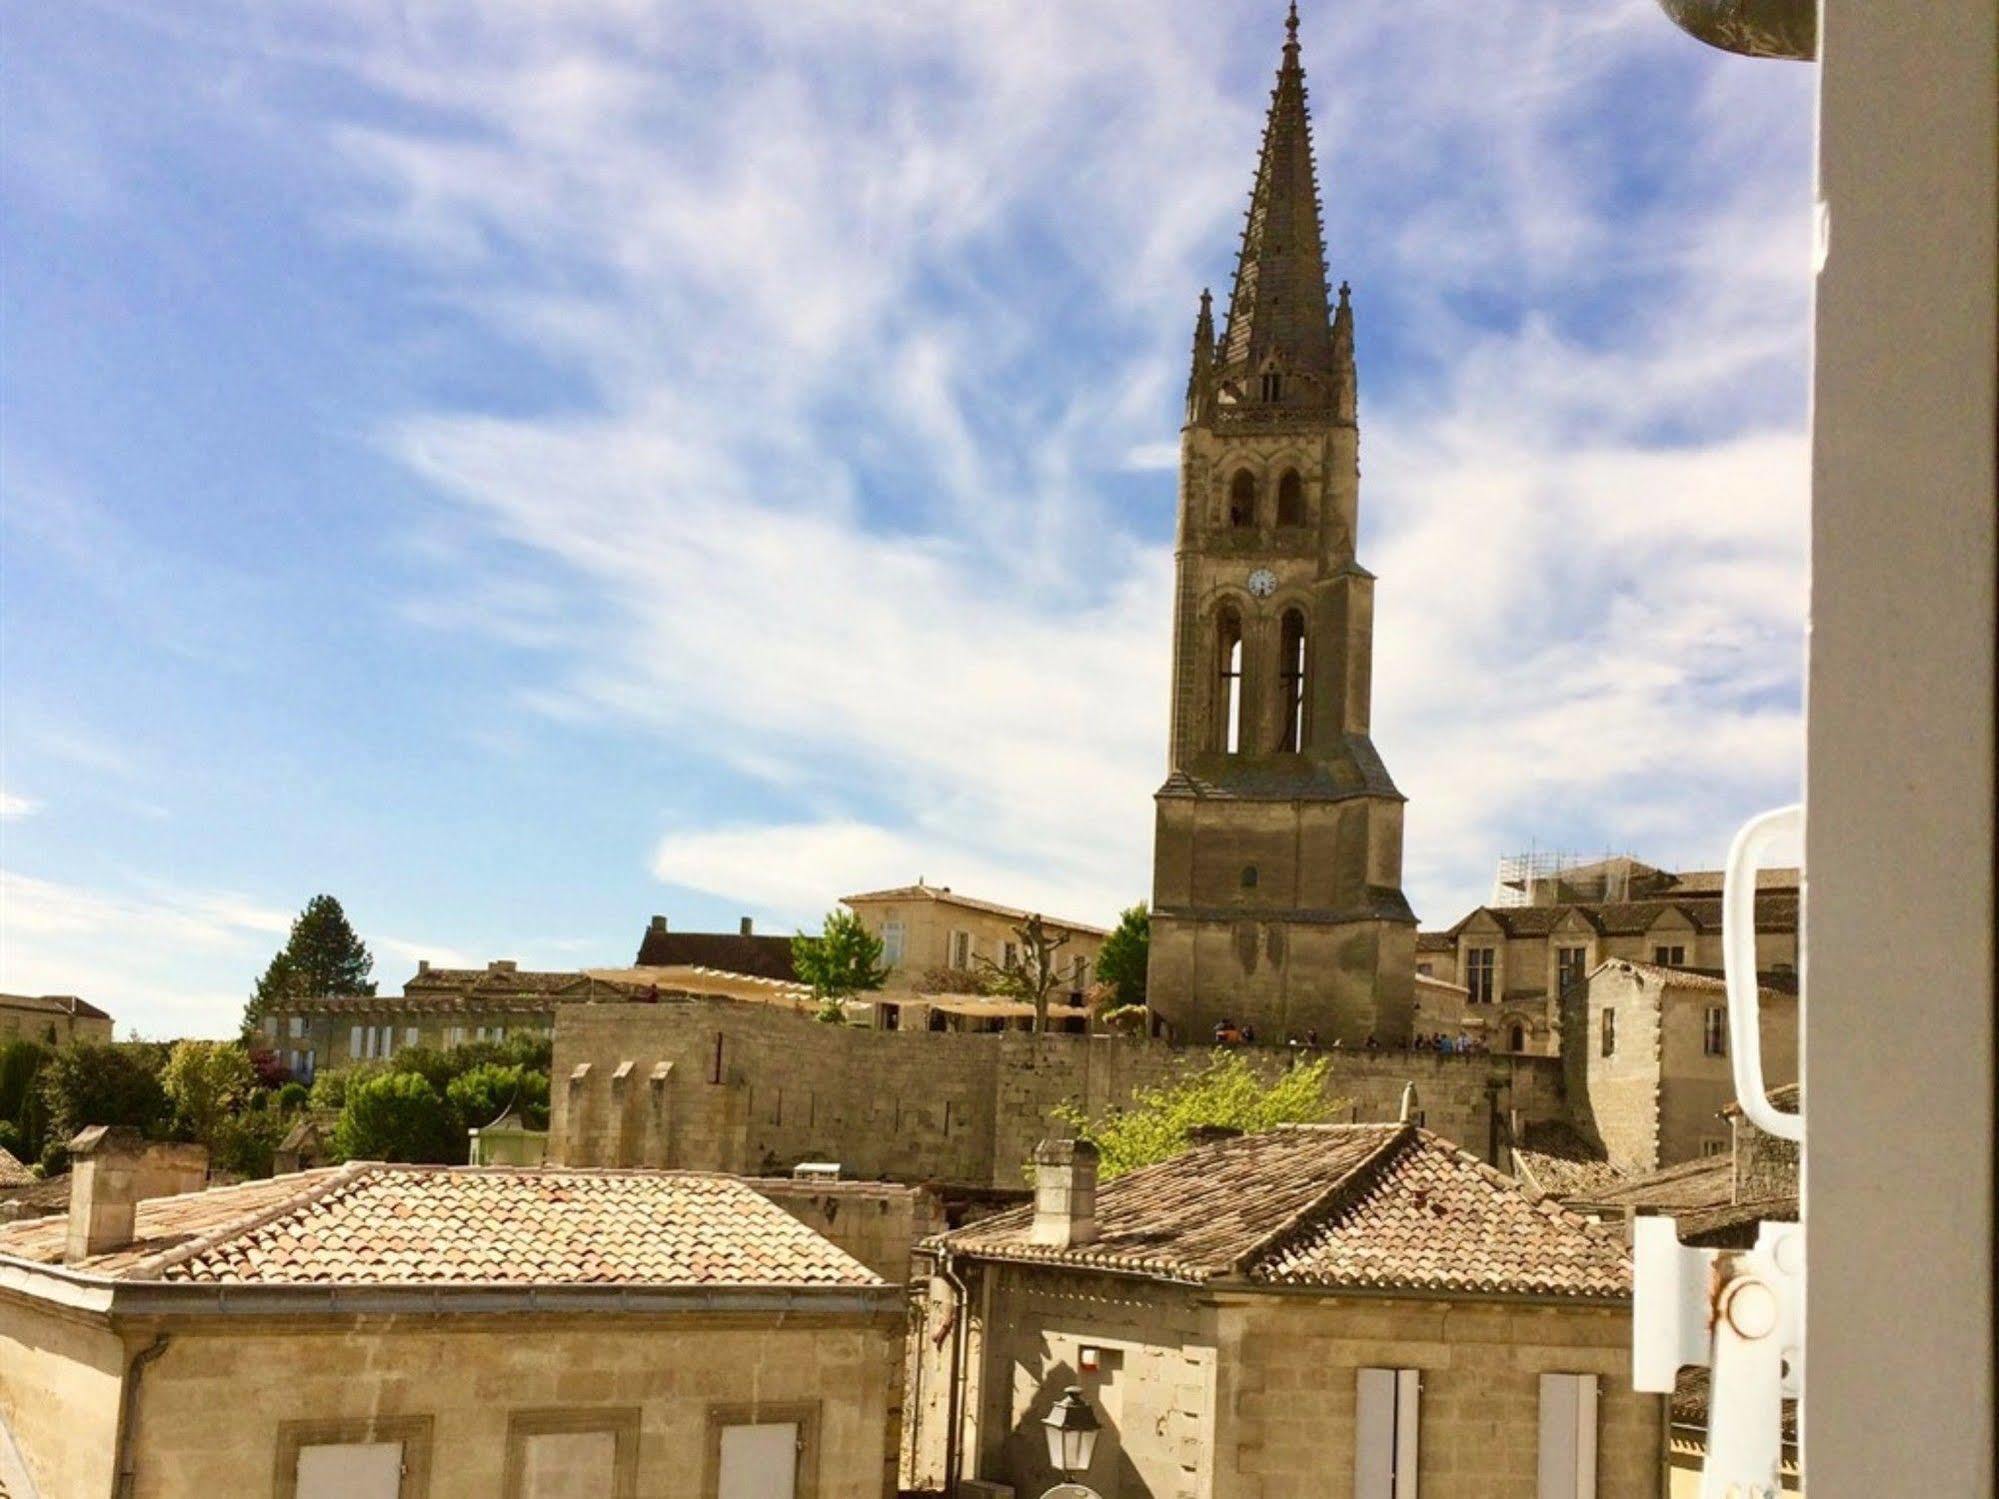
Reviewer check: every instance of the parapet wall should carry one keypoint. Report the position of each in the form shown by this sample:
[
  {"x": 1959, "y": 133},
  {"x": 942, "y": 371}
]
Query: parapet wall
[{"x": 716, "y": 1085}]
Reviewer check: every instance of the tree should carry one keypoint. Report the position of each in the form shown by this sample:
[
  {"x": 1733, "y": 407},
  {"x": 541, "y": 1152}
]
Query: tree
[
  {"x": 1158, "y": 1122},
  {"x": 397, "y": 1116},
  {"x": 1121, "y": 963},
  {"x": 845, "y": 958},
  {"x": 485, "y": 1093},
  {"x": 207, "y": 1082},
  {"x": 102, "y": 1082},
  {"x": 21, "y": 1103},
  {"x": 323, "y": 955},
  {"x": 1030, "y": 974}
]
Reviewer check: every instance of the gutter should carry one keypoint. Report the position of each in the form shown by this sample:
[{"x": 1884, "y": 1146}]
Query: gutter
[
  {"x": 108, "y": 1296},
  {"x": 947, "y": 1268},
  {"x": 1784, "y": 29}
]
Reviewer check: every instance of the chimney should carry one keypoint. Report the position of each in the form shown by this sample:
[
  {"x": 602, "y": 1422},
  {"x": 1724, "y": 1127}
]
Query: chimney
[
  {"x": 747, "y": 927},
  {"x": 112, "y": 1170},
  {"x": 422, "y": 966},
  {"x": 503, "y": 965},
  {"x": 658, "y": 926},
  {"x": 1065, "y": 1193},
  {"x": 1213, "y": 1134}
]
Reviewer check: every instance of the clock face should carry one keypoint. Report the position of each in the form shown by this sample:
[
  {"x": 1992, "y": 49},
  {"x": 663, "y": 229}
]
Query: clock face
[{"x": 1263, "y": 582}]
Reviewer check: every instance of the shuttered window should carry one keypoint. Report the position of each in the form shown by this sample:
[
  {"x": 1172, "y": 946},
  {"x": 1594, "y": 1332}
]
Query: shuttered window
[
  {"x": 1568, "y": 1436},
  {"x": 1385, "y": 1421}
]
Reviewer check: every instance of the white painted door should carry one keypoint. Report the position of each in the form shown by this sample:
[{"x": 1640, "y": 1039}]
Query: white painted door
[
  {"x": 351, "y": 1470},
  {"x": 759, "y": 1462}
]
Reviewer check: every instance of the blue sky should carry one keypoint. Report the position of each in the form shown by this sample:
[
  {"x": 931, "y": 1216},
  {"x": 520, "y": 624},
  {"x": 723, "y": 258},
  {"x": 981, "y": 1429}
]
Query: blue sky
[{"x": 521, "y": 467}]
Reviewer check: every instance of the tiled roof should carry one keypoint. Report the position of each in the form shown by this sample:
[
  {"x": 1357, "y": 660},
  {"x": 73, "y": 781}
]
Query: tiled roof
[
  {"x": 1705, "y": 1183},
  {"x": 1554, "y": 1159},
  {"x": 689, "y": 980},
  {"x": 1775, "y": 912},
  {"x": 53, "y": 1004},
  {"x": 944, "y": 895},
  {"x": 735, "y": 952},
  {"x": 1436, "y": 942},
  {"x": 1382, "y": 1206},
  {"x": 1785, "y": 1100},
  {"x": 12, "y": 1172},
  {"x": 371, "y": 1224},
  {"x": 1690, "y": 1400},
  {"x": 1709, "y": 980}
]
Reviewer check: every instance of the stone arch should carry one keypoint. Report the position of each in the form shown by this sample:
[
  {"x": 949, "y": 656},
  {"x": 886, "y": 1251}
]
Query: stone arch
[
  {"x": 1290, "y": 498},
  {"x": 1293, "y": 673},
  {"x": 1228, "y": 671},
  {"x": 1242, "y": 500}
]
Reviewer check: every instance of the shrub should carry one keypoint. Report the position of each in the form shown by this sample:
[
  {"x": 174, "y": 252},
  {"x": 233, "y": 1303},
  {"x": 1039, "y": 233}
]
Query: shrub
[
  {"x": 484, "y": 1093},
  {"x": 292, "y": 1097},
  {"x": 103, "y": 1083},
  {"x": 329, "y": 1089},
  {"x": 208, "y": 1082},
  {"x": 245, "y": 1144},
  {"x": 398, "y": 1116}
]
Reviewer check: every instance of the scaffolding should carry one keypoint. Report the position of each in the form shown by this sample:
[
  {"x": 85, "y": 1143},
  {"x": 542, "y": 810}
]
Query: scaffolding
[{"x": 1553, "y": 877}]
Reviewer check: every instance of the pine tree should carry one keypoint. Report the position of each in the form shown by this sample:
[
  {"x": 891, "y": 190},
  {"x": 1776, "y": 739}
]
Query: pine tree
[{"x": 323, "y": 955}]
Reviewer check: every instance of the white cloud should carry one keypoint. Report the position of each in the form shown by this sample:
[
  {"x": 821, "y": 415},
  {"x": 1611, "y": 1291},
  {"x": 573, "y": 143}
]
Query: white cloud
[{"x": 13, "y": 805}]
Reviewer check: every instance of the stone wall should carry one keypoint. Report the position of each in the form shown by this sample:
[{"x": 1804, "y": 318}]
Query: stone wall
[
  {"x": 59, "y": 1383},
  {"x": 713, "y": 1085},
  {"x": 875, "y": 1222}
]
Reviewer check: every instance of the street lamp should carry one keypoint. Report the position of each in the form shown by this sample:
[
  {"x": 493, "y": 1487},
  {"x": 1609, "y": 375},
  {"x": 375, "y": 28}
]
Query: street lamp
[{"x": 1072, "y": 1433}]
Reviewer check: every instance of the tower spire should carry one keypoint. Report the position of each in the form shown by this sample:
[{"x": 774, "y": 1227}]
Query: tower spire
[
  {"x": 1278, "y": 318},
  {"x": 1200, "y": 379}
]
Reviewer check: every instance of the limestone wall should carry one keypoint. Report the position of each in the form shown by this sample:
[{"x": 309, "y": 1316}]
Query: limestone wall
[
  {"x": 59, "y": 1382},
  {"x": 875, "y": 1222},
  {"x": 714, "y": 1085}
]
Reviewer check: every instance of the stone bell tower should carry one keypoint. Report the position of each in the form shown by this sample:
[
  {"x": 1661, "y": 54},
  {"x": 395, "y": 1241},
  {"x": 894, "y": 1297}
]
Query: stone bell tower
[{"x": 1277, "y": 862}]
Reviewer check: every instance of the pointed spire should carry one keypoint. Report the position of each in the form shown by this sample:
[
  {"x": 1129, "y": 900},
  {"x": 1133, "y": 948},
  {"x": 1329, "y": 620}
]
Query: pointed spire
[
  {"x": 1200, "y": 379},
  {"x": 1278, "y": 316},
  {"x": 1343, "y": 368}
]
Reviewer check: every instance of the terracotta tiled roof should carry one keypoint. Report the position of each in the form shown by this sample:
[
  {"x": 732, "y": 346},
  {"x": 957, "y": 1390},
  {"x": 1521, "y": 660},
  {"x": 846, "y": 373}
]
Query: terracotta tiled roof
[
  {"x": 372, "y": 1224},
  {"x": 12, "y": 1172},
  {"x": 1383, "y": 1206},
  {"x": 945, "y": 896},
  {"x": 686, "y": 980},
  {"x": 1710, "y": 980},
  {"x": 1705, "y": 1183},
  {"x": 735, "y": 952},
  {"x": 1556, "y": 1160}
]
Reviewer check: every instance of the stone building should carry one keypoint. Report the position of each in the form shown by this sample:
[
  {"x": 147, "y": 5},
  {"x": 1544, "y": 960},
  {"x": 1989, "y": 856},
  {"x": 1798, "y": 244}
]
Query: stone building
[
  {"x": 644, "y": 1335},
  {"x": 1277, "y": 865},
  {"x": 928, "y": 928},
  {"x": 699, "y": 1083},
  {"x": 51, "y": 1019},
  {"x": 1514, "y": 960},
  {"x": 1316, "y": 1311},
  {"x": 744, "y": 950},
  {"x": 439, "y": 1008},
  {"x": 1645, "y": 1059}
]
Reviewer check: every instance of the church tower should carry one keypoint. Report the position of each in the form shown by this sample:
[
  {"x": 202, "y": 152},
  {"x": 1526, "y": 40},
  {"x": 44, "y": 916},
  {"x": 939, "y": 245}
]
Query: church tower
[{"x": 1277, "y": 861}]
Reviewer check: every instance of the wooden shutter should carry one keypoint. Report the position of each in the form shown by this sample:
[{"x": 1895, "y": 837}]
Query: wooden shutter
[
  {"x": 1385, "y": 1426},
  {"x": 1568, "y": 1436}
]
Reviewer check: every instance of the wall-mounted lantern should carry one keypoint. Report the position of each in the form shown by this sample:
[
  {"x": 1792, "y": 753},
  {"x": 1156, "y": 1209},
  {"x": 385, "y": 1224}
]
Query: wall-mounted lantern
[{"x": 1072, "y": 1433}]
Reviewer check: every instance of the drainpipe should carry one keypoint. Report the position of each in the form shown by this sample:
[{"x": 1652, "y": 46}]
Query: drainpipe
[
  {"x": 947, "y": 1267},
  {"x": 1787, "y": 29},
  {"x": 128, "y": 1417}
]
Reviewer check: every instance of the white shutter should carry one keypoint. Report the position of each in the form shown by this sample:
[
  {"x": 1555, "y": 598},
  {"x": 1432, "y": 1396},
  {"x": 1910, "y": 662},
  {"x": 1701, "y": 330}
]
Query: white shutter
[
  {"x": 1568, "y": 1436},
  {"x": 350, "y": 1470},
  {"x": 354, "y": 1043},
  {"x": 1385, "y": 1425}
]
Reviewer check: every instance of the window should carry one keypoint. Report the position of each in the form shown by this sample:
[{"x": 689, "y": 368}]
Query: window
[
  {"x": 1670, "y": 957},
  {"x": 297, "y": 1027},
  {"x": 1568, "y": 1437},
  {"x": 1291, "y": 672},
  {"x": 572, "y": 1454},
  {"x": 1228, "y": 651},
  {"x": 1713, "y": 1146},
  {"x": 1479, "y": 962},
  {"x": 356, "y": 1044},
  {"x": 1569, "y": 967},
  {"x": 1610, "y": 1032},
  {"x": 961, "y": 949},
  {"x": 891, "y": 942},
  {"x": 1242, "y": 499},
  {"x": 762, "y": 1451},
  {"x": 1427, "y": 969},
  {"x": 1273, "y": 386},
  {"x": 454, "y": 1035},
  {"x": 1290, "y": 499},
  {"x": 1517, "y": 1038},
  {"x": 378, "y": 1459},
  {"x": 1249, "y": 877},
  {"x": 1079, "y": 973},
  {"x": 269, "y": 1027},
  {"x": 490, "y": 1033},
  {"x": 411, "y": 1035},
  {"x": 1009, "y": 954},
  {"x": 1385, "y": 1421},
  {"x": 1714, "y": 1031}
]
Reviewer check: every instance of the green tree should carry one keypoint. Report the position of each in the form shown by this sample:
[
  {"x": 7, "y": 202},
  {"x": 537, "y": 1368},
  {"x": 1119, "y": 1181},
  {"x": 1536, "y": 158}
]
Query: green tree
[
  {"x": 207, "y": 1083},
  {"x": 21, "y": 1103},
  {"x": 483, "y": 1093},
  {"x": 323, "y": 955},
  {"x": 1156, "y": 1125},
  {"x": 845, "y": 958},
  {"x": 245, "y": 1144},
  {"x": 99, "y": 1082},
  {"x": 397, "y": 1116},
  {"x": 1121, "y": 963}
]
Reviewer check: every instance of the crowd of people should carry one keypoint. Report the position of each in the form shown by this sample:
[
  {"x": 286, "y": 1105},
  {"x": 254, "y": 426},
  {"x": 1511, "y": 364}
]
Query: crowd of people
[{"x": 1228, "y": 1033}]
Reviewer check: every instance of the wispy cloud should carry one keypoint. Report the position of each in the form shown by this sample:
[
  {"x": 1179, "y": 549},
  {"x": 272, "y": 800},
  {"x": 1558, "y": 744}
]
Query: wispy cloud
[{"x": 13, "y": 805}]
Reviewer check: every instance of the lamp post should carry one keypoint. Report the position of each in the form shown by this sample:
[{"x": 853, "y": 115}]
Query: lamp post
[{"x": 1072, "y": 1440}]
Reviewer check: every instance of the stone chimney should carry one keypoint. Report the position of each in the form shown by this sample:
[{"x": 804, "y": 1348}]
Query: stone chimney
[
  {"x": 1065, "y": 1193},
  {"x": 747, "y": 927},
  {"x": 503, "y": 965},
  {"x": 112, "y": 1170},
  {"x": 422, "y": 966},
  {"x": 658, "y": 925}
]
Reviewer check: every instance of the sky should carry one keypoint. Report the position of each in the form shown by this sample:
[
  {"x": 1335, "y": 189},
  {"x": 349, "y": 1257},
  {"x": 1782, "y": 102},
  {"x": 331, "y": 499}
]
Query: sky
[{"x": 521, "y": 467}]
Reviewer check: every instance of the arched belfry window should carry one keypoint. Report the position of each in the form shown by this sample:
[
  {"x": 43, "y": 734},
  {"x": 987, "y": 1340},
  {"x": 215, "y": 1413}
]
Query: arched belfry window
[
  {"x": 1242, "y": 499},
  {"x": 1228, "y": 694},
  {"x": 1291, "y": 673},
  {"x": 1519, "y": 1037},
  {"x": 1290, "y": 499},
  {"x": 1273, "y": 386}
]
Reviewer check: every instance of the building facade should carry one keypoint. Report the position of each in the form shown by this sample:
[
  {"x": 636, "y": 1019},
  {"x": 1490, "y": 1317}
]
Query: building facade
[
  {"x": 637, "y": 1335},
  {"x": 1277, "y": 866},
  {"x": 926, "y": 930},
  {"x": 51, "y": 1019},
  {"x": 1354, "y": 1311}
]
